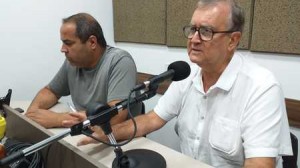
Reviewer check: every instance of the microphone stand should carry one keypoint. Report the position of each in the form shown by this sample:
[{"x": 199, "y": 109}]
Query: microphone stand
[{"x": 138, "y": 158}]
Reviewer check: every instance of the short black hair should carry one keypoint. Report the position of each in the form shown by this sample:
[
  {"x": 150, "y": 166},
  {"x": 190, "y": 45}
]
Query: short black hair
[{"x": 86, "y": 25}]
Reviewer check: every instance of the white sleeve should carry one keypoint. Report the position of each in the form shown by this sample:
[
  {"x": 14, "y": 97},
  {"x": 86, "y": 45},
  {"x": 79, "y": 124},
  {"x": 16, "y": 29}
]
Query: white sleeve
[
  {"x": 265, "y": 128},
  {"x": 169, "y": 105}
]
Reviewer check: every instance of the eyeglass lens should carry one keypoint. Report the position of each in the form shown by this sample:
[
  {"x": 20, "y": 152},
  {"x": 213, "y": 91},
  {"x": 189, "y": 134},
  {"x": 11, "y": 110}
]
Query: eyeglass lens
[{"x": 203, "y": 32}]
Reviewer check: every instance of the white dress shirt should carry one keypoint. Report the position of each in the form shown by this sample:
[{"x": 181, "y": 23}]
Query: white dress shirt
[{"x": 242, "y": 115}]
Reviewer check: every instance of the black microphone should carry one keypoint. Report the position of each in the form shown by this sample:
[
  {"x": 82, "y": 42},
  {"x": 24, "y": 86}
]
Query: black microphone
[{"x": 177, "y": 71}]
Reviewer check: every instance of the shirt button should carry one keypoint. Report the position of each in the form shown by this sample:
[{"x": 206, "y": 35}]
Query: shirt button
[
  {"x": 204, "y": 97},
  {"x": 202, "y": 117}
]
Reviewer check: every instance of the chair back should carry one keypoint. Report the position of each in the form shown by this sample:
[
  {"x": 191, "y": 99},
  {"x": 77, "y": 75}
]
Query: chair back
[{"x": 291, "y": 161}]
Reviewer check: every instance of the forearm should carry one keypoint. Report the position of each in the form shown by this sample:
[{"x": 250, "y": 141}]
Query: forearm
[
  {"x": 43, "y": 100},
  {"x": 145, "y": 124},
  {"x": 38, "y": 110},
  {"x": 121, "y": 115},
  {"x": 125, "y": 129},
  {"x": 260, "y": 162},
  {"x": 119, "y": 118}
]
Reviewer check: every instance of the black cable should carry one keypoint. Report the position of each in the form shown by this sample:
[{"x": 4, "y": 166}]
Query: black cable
[
  {"x": 128, "y": 140},
  {"x": 47, "y": 154},
  {"x": 33, "y": 160}
]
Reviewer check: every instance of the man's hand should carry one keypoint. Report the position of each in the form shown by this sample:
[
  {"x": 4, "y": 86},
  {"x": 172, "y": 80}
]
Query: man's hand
[
  {"x": 78, "y": 117},
  {"x": 49, "y": 119},
  {"x": 98, "y": 133}
]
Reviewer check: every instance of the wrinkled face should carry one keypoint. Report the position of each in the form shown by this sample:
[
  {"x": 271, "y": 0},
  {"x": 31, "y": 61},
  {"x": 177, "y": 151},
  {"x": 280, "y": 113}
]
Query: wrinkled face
[
  {"x": 214, "y": 52},
  {"x": 76, "y": 52}
]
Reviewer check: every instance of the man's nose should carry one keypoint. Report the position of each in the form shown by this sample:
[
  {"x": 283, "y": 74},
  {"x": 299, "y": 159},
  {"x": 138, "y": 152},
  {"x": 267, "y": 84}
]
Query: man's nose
[
  {"x": 63, "y": 49},
  {"x": 196, "y": 37}
]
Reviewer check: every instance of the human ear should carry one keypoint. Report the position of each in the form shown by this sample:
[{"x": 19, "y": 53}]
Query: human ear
[
  {"x": 235, "y": 38},
  {"x": 92, "y": 41}
]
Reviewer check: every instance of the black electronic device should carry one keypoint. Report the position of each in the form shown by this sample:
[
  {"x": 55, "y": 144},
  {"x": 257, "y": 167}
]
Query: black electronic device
[{"x": 5, "y": 100}]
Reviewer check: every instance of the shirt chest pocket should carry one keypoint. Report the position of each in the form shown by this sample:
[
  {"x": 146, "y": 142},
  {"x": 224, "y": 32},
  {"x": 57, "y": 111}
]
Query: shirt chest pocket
[{"x": 224, "y": 136}]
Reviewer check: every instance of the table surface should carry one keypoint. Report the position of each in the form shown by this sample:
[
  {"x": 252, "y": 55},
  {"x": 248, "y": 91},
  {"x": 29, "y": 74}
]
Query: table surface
[{"x": 106, "y": 155}]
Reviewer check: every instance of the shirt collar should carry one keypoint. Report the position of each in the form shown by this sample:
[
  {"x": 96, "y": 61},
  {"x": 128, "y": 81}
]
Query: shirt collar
[
  {"x": 226, "y": 79},
  {"x": 197, "y": 81},
  {"x": 230, "y": 73}
]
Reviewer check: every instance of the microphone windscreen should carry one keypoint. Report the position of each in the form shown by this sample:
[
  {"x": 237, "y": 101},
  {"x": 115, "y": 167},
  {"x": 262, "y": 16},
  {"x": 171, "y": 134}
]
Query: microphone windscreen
[{"x": 182, "y": 70}]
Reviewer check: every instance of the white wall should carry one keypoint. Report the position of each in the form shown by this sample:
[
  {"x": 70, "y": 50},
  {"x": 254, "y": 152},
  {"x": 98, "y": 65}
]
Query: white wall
[
  {"x": 30, "y": 42},
  {"x": 30, "y": 51}
]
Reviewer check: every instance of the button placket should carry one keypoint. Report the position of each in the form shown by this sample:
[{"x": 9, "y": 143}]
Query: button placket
[{"x": 204, "y": 107}]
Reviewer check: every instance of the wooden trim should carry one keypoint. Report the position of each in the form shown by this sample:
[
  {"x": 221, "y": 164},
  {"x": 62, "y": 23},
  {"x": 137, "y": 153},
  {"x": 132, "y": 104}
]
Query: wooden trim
[
  {"x": 292, "y": 106},
  {"x": 293, "y": 111}
]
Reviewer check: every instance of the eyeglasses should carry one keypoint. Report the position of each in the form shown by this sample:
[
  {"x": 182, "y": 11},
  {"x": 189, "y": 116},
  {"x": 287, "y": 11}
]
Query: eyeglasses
[{"x": 205, "y": 33}]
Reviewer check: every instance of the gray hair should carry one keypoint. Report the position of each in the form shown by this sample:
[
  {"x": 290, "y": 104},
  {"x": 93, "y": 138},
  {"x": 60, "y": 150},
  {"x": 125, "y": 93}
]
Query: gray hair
[{"x": 237, "y": 17}]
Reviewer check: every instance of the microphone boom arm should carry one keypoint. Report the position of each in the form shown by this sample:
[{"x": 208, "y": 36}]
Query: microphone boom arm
[
  {"x": 33, "y": 148},
  {"x": 105, "y": 116}
]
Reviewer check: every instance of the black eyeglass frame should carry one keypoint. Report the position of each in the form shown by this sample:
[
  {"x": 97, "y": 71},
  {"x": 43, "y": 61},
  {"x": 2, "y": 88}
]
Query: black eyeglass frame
[{"x": 199, "y": 34}]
